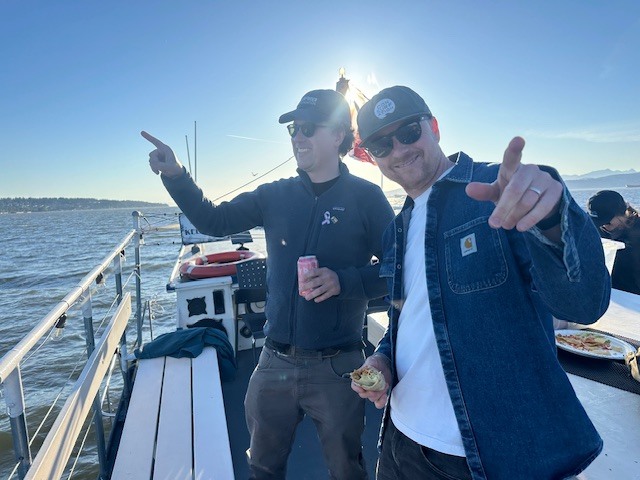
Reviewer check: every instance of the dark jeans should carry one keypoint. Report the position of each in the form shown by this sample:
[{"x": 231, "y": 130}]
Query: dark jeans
[
  {"x": 284, "y": 389},
  {"x": 403, "y": 459}
]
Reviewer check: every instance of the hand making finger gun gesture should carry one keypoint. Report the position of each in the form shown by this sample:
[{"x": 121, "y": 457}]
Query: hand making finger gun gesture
[{"x": 523, "y": 193}]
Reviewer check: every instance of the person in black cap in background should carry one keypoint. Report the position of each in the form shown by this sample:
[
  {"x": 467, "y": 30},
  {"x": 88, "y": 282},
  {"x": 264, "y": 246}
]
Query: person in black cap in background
[
  {"x": 311, "y": 340},
  {"x": 617, "y": 220},
  {"x": 477, "y": 262}
]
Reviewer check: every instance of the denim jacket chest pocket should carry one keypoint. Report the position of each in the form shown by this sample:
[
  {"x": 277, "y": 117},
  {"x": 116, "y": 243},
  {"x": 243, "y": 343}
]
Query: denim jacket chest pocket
[{"x": 474, "y": 257}]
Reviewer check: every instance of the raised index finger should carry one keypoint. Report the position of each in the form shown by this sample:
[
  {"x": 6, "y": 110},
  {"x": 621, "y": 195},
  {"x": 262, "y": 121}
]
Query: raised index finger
[
  {"x": 157, "y": 143},
  {"x": 512, "y": 158}
]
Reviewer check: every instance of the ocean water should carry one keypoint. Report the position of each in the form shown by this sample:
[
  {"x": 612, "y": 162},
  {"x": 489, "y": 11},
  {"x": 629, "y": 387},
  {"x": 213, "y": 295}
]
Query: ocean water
[{"x": 44, "y": 255}]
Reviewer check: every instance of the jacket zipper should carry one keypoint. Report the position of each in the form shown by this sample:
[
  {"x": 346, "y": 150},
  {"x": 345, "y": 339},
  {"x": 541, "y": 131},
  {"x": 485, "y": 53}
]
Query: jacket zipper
[{"x": 296, "y": 295}]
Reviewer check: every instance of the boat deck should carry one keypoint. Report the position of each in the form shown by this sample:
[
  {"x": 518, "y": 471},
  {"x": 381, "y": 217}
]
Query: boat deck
[{"x": 306, "y": 461}]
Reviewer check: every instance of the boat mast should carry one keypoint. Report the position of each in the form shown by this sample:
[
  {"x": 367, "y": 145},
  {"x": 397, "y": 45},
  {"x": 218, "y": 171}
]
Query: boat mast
[
  {"x": 342, "y": 85},
  {"x": 188, "y": 156},
  {"x": 195, "y": 151}
]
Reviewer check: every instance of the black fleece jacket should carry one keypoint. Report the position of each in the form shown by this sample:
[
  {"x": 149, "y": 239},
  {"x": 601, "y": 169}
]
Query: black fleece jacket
[{"x": 342, "y": 227}]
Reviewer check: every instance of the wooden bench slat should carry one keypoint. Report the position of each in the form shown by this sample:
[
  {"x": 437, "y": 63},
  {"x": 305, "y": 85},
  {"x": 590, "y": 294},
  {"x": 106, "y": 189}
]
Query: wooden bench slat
[
  {"x": 176, "y": 426},
  {"x": 174, "y": 445},
  {"x": 212, "y": 453},
  {"x": 135, "y": 453}
]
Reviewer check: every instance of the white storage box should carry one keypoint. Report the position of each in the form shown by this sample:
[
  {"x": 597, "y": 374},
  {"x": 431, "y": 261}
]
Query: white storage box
[{"x": 212, "y": 298}]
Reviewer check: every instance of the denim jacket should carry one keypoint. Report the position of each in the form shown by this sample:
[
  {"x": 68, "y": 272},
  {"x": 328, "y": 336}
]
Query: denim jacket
[{"x": 492, "y": 294}]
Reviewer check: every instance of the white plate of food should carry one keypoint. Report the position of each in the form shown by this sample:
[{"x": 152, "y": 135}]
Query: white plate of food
[{"x": 593, "y": 344}]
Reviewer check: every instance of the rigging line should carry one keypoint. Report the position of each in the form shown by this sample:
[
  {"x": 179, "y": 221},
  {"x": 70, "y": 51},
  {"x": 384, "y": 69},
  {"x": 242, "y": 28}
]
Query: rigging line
[
  {"x": 25, "y": 361},
  {"x": 82, "y": 445},
  {"x": 162, "y": 224},
  {"x": 55, "y": 401},
  {"x": 107, "y": 385},
  {"x": 359, "y": 91},
  {"x": 154, "y": 222},
  {"x": 105, "y": 316},
  {"x": 160, "y": 228},
  {"x": 160, "y": 215},
  {"x": 255, "y": 179},
  {"x": 15, "y": 469}
]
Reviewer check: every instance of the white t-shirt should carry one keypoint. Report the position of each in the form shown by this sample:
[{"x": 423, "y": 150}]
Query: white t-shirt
[{"x": 420, "y": 404}]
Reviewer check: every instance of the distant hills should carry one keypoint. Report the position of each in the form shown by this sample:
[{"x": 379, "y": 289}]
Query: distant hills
[
  {"x": 600, "y": 179},
  {"x": 599, "y": 174},
  {"x": 616, "y": 180},
  {"x": 21, "y": 205}
]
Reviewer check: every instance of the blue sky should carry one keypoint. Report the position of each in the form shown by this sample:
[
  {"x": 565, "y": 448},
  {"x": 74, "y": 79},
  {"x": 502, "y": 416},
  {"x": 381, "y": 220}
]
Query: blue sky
[{"x": 79, "y": 80}]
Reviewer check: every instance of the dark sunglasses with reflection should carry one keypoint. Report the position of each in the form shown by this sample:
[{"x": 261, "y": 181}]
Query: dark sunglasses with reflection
[
  {"x": 307, "y": 129},
  {"x": 406, "y": 134}
]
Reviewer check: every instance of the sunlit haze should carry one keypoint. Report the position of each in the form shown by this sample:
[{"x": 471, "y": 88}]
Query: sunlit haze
[{"x": 79, "y": 80}]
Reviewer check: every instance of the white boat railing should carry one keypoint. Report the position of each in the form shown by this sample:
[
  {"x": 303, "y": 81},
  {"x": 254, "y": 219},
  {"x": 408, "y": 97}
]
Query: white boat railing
[
  {"x": 56, "y": 450},
  {"x": 79, "y": 296}
]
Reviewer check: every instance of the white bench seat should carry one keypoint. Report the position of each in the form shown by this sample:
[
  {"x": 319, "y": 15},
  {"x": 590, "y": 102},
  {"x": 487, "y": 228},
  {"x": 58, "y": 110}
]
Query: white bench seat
[{"x": 176, "y": 426}]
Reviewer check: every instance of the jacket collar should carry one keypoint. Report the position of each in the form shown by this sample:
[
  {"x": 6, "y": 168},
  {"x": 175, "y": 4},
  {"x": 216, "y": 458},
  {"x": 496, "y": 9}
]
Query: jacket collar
[
  {"x": 304, "y": 176},
  {"x": 462, "y": 172}
]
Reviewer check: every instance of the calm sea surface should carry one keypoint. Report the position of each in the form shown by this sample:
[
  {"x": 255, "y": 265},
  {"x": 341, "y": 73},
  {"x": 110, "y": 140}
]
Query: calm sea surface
[{"x": 44, "y": 255}]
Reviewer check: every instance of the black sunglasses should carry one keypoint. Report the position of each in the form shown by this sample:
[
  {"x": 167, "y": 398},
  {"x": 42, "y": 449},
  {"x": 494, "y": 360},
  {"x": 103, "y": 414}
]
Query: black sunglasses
[
  {"x": 406, "y": 134},
  {"x": 307, "y": 129}
]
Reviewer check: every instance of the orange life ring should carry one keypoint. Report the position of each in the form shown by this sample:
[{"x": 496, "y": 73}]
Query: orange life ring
[{"x": 215, "y": 265}]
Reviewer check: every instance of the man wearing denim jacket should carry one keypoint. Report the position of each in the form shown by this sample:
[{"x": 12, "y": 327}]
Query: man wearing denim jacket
[{"x": 477, "y": 262}]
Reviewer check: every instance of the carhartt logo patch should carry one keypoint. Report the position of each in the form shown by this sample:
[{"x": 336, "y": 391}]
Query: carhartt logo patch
[{"x": 468, "y": 245}]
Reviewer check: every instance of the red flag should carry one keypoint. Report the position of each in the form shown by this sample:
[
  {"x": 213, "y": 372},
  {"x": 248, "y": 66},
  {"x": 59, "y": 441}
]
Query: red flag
[{"x": 360, "y": 153}]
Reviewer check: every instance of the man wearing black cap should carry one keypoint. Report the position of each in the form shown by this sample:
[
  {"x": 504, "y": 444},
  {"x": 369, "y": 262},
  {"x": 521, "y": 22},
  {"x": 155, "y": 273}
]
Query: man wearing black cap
[
  {"x": 619, "y": 221},
  {"x": 480, "y": 258},
  {"x": 312, "y": 340}
]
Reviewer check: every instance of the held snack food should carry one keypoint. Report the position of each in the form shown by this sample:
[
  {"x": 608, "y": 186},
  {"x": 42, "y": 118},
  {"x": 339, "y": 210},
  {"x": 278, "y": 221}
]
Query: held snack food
[
  {"x": 632, "y": 360},
  {"x": 369, "y": 378}
]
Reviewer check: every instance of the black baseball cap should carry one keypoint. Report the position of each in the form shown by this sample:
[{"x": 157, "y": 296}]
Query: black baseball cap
[
  {"x": 321, "y": 106},
  {"x": 390, "y": 106},
  {"x": 605, "y": 205}
]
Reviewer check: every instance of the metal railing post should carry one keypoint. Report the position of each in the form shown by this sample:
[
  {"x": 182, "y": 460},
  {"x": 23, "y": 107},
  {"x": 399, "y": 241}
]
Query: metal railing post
[
  {"x": 101, "y": 446},
  {"x": 139, "y": 240},
  {"x": 87, "y": 316},
  {"x": 117, "y": 268},
  {"x": 124, "y": 364},
  {"x": 14, "y": 398}
]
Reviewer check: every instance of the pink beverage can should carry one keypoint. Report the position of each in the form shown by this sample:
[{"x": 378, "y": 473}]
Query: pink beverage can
[{"x": 305, "y": 264}]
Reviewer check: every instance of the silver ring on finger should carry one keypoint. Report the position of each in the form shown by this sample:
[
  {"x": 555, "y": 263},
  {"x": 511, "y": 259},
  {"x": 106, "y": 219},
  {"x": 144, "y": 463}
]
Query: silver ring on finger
[{"x": 536, "y": 191}]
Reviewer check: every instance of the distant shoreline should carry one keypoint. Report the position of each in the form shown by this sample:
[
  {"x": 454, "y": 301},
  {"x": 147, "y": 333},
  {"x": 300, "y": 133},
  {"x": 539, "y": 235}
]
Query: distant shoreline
[{"x": 31, "y": 205}]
